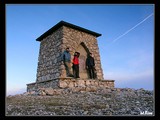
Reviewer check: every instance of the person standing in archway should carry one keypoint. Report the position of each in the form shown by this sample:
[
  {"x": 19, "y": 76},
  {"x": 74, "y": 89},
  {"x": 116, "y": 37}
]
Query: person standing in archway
[
  {"x": 90, "y": 65},
  {"x": 76, "y": 65}
]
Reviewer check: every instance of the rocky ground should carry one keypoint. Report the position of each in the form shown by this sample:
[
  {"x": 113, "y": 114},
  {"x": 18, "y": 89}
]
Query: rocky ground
[{"x": 104, "y": 102}]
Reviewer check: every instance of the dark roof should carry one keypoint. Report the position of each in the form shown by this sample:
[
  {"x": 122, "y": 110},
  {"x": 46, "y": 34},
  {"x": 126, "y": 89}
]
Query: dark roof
[{"x": 63, "y": 23}]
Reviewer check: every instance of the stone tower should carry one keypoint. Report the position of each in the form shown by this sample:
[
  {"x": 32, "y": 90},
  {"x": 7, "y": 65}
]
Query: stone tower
[{"x": 53, "y": 42}]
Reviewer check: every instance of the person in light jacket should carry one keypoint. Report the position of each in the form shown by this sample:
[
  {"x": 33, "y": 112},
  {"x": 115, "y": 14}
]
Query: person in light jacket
[{"x": 66, "y": 57}]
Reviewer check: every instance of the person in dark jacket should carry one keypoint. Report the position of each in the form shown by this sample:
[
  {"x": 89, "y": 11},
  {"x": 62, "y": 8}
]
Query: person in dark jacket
[
  {"x": 66, "y": 57},
  {"x": 76, "y": 65},
  {"x": 90, "y": 65}
]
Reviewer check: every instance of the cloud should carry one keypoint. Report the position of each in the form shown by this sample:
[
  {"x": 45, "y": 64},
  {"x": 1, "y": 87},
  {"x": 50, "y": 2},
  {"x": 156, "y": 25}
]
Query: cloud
[
  {"x": 144, "y": 79},
  {"x": 141, "y": 60},
  {"x": 126, "y": 75},
  {"x": 15, "y": 91},
  {"x": 132, "y": 28}
]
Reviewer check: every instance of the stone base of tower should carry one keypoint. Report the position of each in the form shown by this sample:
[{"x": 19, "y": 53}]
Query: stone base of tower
[{"x": 63, "y": 83}]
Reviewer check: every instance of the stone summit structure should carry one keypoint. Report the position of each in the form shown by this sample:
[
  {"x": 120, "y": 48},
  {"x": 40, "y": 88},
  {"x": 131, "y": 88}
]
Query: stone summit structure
[{"x": 51, "y": 71}]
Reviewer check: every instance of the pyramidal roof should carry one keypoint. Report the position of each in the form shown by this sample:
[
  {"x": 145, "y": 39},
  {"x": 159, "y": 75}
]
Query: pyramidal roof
[{"x": 63, "y": 23}]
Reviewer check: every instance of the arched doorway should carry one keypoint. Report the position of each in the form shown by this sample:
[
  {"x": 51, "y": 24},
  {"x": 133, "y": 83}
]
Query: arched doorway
[{"x": 83, "y": 50}]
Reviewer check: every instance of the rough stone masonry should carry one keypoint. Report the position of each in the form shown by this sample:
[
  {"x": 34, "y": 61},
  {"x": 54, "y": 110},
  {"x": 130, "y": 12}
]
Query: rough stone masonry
[{"x": 51, "y": 72}]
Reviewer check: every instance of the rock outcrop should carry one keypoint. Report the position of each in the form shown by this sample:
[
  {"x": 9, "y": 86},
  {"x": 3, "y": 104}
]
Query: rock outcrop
[{"x": 67, "y": 102}]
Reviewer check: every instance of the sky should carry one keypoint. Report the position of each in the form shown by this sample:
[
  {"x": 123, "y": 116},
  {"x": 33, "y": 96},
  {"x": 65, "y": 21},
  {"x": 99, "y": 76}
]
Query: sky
[{"x": 126, "y": 46}]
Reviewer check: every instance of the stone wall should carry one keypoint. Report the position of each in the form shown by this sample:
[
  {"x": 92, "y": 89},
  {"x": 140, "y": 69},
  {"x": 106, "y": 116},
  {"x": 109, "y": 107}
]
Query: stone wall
[
  {"x": 63, "y": 83},
  {"x": 73, "y": 38},
  {"x": 50, "y": 66}
]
